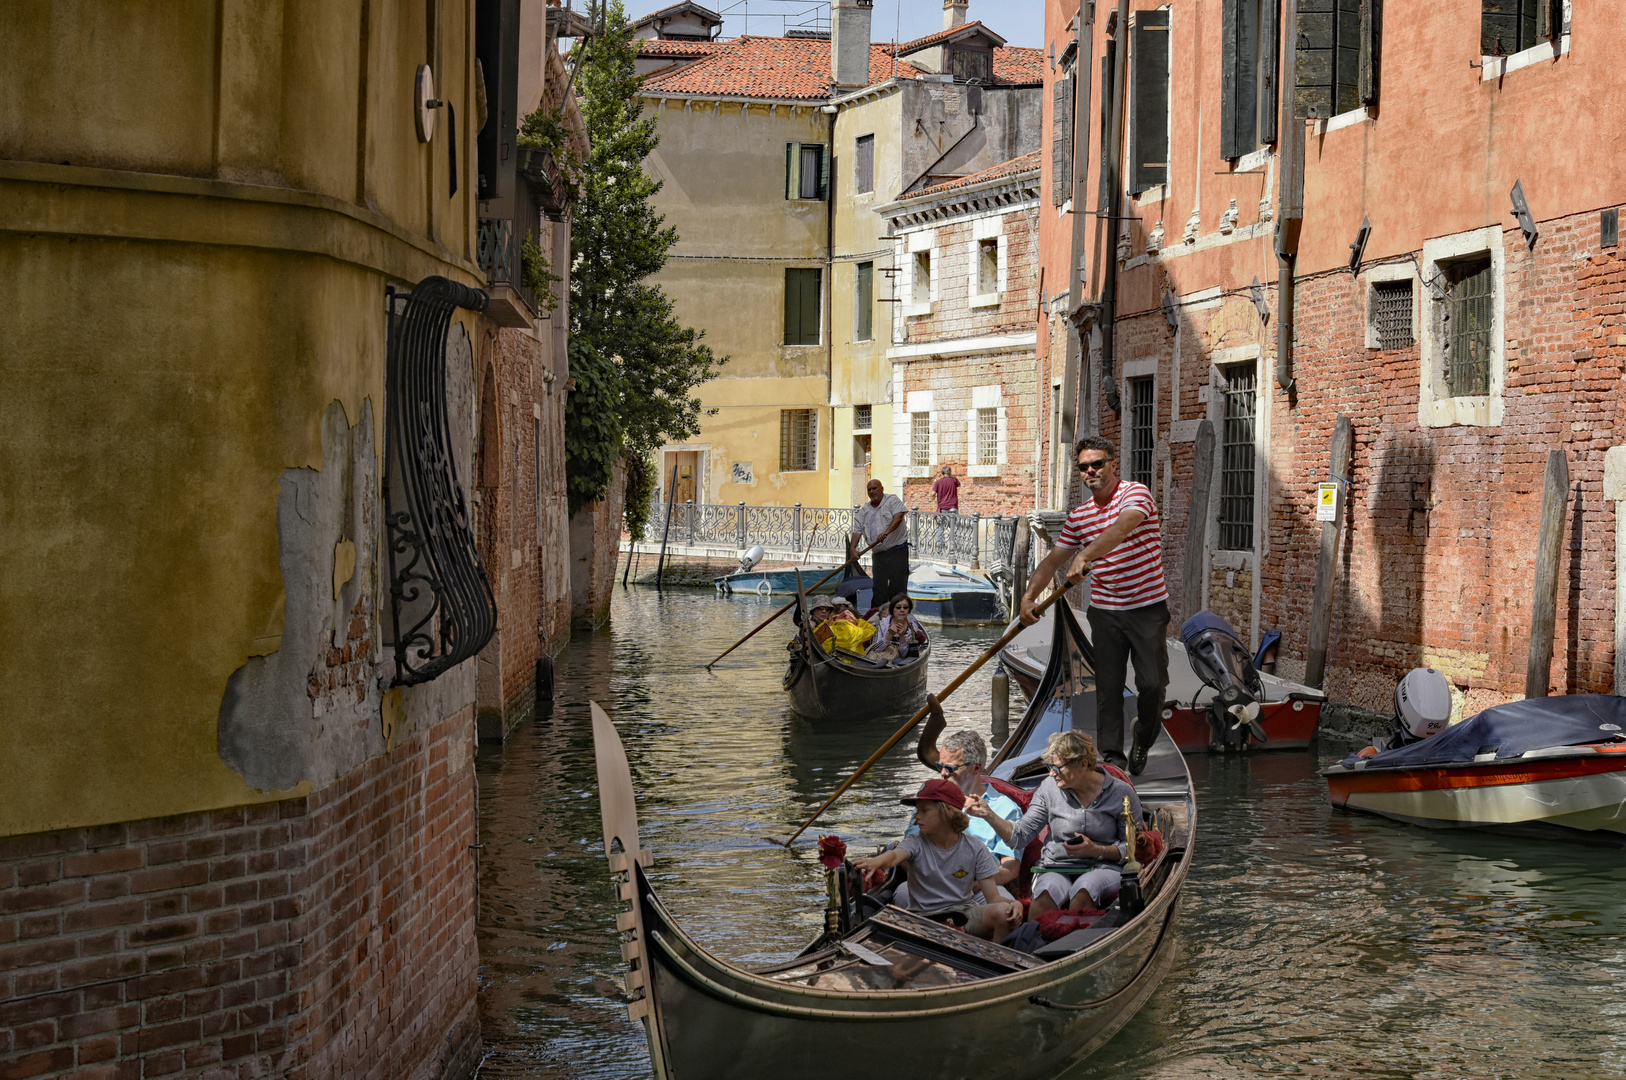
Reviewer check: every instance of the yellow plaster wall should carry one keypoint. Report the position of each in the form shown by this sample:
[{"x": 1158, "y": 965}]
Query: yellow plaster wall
[{"x": 186, "y": 296}]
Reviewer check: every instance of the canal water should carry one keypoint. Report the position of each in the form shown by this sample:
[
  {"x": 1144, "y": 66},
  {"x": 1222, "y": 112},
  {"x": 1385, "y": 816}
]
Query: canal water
[{"x": 1311, "y": 943}]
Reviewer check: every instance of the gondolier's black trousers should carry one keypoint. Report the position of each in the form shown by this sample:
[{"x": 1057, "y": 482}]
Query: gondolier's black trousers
[
  {"x": 1119, "y": 636},
  {"x": 891, "y": 574}
]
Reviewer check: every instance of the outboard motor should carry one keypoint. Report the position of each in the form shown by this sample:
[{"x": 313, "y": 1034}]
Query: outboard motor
[
  {"x": 749, "y": 560},
  {"x": 1422, "y": 707},
  {"x": 1221, "y": 661}
]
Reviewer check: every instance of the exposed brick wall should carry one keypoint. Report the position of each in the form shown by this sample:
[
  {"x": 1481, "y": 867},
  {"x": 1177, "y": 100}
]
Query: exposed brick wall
[{"x": 326, "y": 936}]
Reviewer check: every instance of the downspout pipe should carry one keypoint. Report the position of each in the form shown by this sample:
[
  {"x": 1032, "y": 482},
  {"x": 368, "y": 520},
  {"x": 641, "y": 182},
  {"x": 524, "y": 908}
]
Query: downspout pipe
[
  {"x": 1290, "y": 202},
  {"x": 1114, "y": 187}
]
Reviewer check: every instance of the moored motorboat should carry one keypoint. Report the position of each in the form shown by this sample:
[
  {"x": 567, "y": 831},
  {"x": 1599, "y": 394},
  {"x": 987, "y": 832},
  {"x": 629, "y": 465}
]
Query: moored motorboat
[
  {"x": 881, "y": 977},
  {"x": 778, "y": 582},
  {"x": 1544, "y": 766},
  {"x": 1289, "y": 711},
  {"x": 949, "y": 596}
]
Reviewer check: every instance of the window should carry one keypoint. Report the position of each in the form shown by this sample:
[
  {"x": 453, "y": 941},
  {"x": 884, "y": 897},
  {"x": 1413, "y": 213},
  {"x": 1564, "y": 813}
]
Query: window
[
  {"x": 988, "y": 265},
  {"x": 1247, "y": 76},
  {"x": 864, "y": 165},
  {"x": 920, "y": 439},
  {"x": 798, "y": 440},
  {"x": 968, "y": 64},
  {"x": 864, "y": 301},
  {"x": 1337, "y": 62},
  {"x": 807, "y": 170},
  {"x": 536, "y": 432},
  {"x": 1469, "y": 322},
  {"x": 862, "y": 417},
  {"x": 1391, "y": 314},
  {"x": 1061, "y": 141},
  {"x": 1142, "y": 405},
  {"x": 921, "y": 286},
  {"x": 1510, "y": 26},
  {"x": 1238, "y": 386},
  {"x": 802, "y": 296},
  {"x": 987, "y": 448},
  {"x": 1149, "y": 112}
]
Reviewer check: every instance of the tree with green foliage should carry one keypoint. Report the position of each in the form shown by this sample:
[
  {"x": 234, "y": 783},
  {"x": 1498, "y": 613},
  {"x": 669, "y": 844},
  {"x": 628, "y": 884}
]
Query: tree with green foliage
[{"x": 634, "y": 362}]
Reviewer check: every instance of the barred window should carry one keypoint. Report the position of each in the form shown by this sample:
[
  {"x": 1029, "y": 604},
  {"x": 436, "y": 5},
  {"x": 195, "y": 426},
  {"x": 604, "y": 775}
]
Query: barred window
[
  {"x": 1391, "y": 313},
  {"x": 798, "y": 440},
  {"x": 1240, "y": 388},
  {"x": 1469, "y": 320},
  {"x": 920, "y": 438},
  {"x": 1141, "y": 438},
  {"x": 987, "y": 436},
  {"x": 862, "y": 417}
]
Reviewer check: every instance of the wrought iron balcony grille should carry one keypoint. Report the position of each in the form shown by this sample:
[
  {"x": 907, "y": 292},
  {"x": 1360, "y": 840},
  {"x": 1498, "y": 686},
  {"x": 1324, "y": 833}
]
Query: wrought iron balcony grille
[{"x": 442, "y": 610}]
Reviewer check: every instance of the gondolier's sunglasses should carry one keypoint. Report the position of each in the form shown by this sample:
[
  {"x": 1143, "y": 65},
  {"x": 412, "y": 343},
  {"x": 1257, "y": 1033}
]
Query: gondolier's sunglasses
[{"x": 1093, "y": 466}]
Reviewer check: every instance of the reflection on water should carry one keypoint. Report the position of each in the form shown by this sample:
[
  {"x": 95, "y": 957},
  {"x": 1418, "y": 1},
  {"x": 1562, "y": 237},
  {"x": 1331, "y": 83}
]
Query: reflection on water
[{"x": 1312, "y": 943}]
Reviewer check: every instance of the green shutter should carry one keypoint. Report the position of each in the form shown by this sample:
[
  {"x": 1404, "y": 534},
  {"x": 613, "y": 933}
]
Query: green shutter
[
  {"x": 793, "y": 170},
  {"x": 824, "y": 173},
  {"x": 864, "y": 302},
  {"x": 784, "y": 440},
  {"x": 1149, "y": 126},
  {"x": 793, "y": 306},
  {"x": 1317, "y": 38},
  {"x": 811, "y": 283}
]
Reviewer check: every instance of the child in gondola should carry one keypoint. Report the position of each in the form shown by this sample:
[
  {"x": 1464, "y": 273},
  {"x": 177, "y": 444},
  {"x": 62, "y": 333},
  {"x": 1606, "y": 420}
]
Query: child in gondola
[{"x": 948, "y": 867}]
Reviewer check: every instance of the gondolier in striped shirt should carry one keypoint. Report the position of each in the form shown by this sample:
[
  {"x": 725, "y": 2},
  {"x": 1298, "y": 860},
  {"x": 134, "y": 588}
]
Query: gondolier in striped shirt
[{"x": 1115, "y": 537}]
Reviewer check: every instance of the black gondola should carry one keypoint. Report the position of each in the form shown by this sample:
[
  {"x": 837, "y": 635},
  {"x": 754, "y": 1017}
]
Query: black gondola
[
  {"x": 840, "y": 686},
  {"x": 888, "y": 978}
]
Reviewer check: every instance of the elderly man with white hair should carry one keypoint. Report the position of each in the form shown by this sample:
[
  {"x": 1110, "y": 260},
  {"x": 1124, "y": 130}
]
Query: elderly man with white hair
[{"x": 962, "y": 756}]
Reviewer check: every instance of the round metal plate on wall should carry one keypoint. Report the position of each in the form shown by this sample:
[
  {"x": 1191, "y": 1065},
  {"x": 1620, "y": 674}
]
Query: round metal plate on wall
[{"x": 426, "y": 103}]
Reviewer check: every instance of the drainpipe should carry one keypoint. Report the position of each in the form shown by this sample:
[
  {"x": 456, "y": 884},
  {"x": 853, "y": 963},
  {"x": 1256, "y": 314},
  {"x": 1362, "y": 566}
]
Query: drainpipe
[
  {"x": 1114, "y": 188},
  {"x": 830, "y": 111},
  {"x": 1290, "y": 209},
  {"x": 1076, "y": 356}
]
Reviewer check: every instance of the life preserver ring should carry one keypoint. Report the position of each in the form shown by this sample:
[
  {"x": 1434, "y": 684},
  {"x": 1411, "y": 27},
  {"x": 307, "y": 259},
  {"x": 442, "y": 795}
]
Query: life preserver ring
[{"x": 763, "y": 588}]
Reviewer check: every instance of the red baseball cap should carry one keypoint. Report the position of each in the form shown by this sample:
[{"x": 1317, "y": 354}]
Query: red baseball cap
[{"x": 939, "y": 790}]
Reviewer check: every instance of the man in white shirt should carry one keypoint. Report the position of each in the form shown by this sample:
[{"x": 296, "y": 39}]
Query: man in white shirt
[{"x": 879, "y": 523}]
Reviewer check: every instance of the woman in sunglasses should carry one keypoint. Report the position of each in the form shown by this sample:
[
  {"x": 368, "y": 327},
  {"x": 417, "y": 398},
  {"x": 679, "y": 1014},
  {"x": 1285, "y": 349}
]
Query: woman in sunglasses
[{"x": 1079, "y": 866}]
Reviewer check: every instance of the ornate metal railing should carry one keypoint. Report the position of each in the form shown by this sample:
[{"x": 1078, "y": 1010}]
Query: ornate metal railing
[
  {"x": 498, "y": 251},
  {"x": 441, "y": 606},
  {"x": 962, "y": 538}
]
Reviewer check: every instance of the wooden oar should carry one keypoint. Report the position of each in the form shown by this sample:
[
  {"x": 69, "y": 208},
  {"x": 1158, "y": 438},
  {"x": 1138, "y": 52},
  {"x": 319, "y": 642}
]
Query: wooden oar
[
  {"x": 764, "y": 623},
  {"x": 924, "y": 709}
]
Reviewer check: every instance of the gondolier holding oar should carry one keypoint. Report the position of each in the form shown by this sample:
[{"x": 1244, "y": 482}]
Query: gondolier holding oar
[
  {"x": 1115, "y": 535},
  {"x": 880, "y": 521}
]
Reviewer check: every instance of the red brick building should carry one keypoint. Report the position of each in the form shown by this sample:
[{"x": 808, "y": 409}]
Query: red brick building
[
  {"x": 1461, "y": 348},
  {"x": 964, "y": 390}
]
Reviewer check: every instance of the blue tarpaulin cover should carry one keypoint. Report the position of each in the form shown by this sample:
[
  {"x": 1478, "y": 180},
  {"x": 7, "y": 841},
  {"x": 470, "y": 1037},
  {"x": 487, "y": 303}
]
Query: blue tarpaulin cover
[
  {"x": 1510, "y": 730},
  {"x": 1206, "y": 620}
]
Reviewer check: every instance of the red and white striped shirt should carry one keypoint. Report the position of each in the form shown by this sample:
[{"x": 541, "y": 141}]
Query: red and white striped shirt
[{"x": 1131, "y": 574}]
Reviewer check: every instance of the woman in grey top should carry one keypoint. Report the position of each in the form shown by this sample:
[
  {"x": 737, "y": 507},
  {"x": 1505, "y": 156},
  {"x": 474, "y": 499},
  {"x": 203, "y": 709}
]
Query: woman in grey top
[{"x": 1084, "y": 808}]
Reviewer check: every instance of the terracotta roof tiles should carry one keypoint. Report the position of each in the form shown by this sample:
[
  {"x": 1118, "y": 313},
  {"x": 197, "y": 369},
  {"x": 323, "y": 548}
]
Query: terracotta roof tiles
[
  {"x": 963, "y": 30},
  {"x": 1014, "y": 167}
]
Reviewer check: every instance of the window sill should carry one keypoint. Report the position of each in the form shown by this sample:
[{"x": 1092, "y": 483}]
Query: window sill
[
  {"x": 911, "y": 311},
  {"x": 801, "y": 345},
  {"x": 917, "y": 472},
  {"x": 1494, "y": 67},
  {"x": 1478, "y": 411},
  {"x": 982, "y": 470},
  {"x": 1342, "y": 120},
  {"x": 1152, "y": 195},
  {"x": 986, "y": 299},
  {"x": 1253, "y": 162}
]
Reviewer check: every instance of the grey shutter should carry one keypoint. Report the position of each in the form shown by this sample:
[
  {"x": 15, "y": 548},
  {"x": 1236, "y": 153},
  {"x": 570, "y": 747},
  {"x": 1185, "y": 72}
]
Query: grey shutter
[
  {"x": 1061, "y": 140},
  {"x": 793, "y": 170},
  {"x": 1269, "y": 104},
  {"x": 793, "y": 306},
  {"x": 1549, "y": 19},
  {"x": 1314, "y": 94},
  {"x": 784, "y": 439},
  {"x": 1230, "y": 143},
  {"x": 824, "y": 173},
  {"x": 812, "y": 305},
  {"x": 864, "y": 151},
  {"x": 1366, "y": 79},
  {"x": 1108, "y": 63},
  {"x": 1149, "y": 126},
  {"x": 1348, "y": 47}
]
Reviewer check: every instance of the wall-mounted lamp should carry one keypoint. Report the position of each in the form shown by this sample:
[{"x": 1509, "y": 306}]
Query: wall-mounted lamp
[
  {"x": 1521, "y": 210},
  {"x": 1358, "y": 248},
  {"x": 1169, "y": 312},
  {"x": 1258, "y": 292}
]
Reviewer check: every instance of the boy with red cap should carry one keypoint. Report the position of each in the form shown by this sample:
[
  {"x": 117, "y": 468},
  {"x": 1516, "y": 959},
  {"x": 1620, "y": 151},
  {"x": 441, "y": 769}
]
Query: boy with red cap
[{"x": 945, "y": 863}]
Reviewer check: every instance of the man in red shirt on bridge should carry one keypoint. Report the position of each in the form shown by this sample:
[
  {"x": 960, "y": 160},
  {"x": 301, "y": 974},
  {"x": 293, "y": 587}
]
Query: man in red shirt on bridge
[
  {"x": 1115, "y": 534},
  {"x": 947, "y": 490}
]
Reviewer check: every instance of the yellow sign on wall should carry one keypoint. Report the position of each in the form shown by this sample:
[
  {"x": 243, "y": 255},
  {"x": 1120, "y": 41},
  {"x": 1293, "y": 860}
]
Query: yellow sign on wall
[{"x": 1326, "y": 507}]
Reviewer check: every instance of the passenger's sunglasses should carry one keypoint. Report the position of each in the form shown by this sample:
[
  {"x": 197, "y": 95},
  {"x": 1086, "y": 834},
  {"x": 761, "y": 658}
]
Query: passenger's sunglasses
[
  {"x": 1093, "y": 466},
  {"x": 949, "y": 770}
]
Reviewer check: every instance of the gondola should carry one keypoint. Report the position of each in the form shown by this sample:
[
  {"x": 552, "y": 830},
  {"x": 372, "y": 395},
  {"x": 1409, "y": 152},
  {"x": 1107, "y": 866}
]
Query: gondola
[
  {"x": 827, "y": 685},
  {"x": 883, "y": 992}
]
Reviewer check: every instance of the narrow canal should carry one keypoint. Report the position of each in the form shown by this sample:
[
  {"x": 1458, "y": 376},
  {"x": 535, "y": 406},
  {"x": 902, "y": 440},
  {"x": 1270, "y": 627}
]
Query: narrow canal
[{"x": 1312, "y": 943}]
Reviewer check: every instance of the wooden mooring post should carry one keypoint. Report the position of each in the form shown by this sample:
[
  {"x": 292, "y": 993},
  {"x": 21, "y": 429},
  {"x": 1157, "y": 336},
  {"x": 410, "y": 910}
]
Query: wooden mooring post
[
  {"x": 1544, "y": 601},
  {"x": 1202, "y": 478},
  {"x": 1326, "y": 571},
  {"x": 666, "y": 529}
]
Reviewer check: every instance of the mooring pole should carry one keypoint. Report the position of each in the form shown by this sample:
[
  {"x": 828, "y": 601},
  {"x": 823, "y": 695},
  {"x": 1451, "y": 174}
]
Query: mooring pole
[
  {"x": 666, "y": 529},
  {"x": 1544, "y": 603},
  {"x": 1315, "y": 668},
  {"x": 1202, "y": 477}
]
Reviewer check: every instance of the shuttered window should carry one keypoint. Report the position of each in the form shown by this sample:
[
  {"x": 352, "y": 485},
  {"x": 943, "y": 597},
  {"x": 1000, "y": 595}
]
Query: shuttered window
[
  {"x": 1510, "y": 26},
  {"x": 1247, "y": 76},
  {"x": 802, "y": 295},
  {"x": 864, "y": 164},
  {"x": 1109, "y": 64},
  {"x": 807, "y": 171},
  {"x": 798, "y": 440},
  {"x": 1240, "y": 388},
  {"x": 1149, "y": 118},
  {"x": 864, "y": 301},
  {"x": 1337, "y": 57},
  {"x": 1061, "y": 141}
]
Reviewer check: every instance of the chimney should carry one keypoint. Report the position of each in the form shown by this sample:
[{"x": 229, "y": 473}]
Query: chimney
[
  {"x": 849, "y": 42},
  {"x": 954, "y": 13}
]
